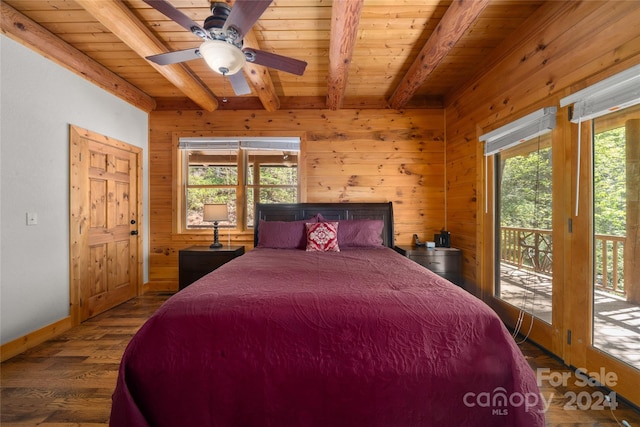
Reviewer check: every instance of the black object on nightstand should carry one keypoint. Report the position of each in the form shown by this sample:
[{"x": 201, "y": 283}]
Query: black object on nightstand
[
  {"x": 445, "y": 262},
  {"x": 198, "y": 261}
]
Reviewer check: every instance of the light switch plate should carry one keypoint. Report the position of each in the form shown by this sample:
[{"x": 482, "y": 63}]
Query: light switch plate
[{"x": 32, "y": 218}]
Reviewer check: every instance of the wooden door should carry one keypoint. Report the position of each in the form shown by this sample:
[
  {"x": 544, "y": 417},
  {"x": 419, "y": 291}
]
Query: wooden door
[{"x": 105, "y": 214}]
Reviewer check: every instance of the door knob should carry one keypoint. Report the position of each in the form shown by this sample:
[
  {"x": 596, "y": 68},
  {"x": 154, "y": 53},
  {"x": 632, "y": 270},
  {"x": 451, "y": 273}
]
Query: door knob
[{"x": 134, "y": 232}]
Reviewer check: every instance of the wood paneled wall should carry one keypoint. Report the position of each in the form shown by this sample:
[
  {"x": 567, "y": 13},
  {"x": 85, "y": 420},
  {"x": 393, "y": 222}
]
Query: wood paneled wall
[
  {"x": 399, "y": 156},
  {"x": 348, "y": 156},
  {"x": 561, "y": 48}
]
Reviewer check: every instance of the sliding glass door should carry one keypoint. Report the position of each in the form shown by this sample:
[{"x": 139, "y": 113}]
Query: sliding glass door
[
  {"x": 561, "y": 233},
  {"x": 524, "y": 249},
  {"x": 615, "y": 290},
  {"x": 526, "y": 164}
]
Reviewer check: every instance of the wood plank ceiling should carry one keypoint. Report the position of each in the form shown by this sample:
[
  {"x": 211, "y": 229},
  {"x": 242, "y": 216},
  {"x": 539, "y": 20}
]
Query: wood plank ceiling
[{"x": 360, "y": 53}]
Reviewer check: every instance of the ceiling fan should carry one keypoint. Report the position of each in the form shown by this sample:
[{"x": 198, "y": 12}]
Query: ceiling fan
[{"x": 223, "y": 33}]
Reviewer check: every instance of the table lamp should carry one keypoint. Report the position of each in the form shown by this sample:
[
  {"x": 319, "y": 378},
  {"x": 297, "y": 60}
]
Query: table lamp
[{"x": 214, "y": 213}]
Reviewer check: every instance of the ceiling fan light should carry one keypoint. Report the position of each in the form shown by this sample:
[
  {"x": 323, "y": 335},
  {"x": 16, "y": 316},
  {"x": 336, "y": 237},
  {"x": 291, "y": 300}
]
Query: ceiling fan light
[{"x": 222, "y": 57}]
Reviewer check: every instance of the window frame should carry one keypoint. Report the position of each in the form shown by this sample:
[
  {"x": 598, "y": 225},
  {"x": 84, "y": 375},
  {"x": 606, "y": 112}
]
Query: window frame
[
  {"x": 256, "y": 187},
  {"x": 179, "y": 162},
  {"x": 185, "y": 156}
]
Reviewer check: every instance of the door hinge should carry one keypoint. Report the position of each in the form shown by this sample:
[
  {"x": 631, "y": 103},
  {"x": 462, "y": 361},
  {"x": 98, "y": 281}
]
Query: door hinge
[
  {"x": 569, "y": 336},
  {"x": 80, "y": 156},
  {"x": 80, "y": 302},
  {"x": 570, "y": 225}
]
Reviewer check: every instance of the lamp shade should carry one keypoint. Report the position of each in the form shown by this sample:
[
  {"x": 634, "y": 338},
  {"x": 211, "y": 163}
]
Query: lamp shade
[
  {"x": 215, "y": 212},
  {"x": 222, "y": 57}
]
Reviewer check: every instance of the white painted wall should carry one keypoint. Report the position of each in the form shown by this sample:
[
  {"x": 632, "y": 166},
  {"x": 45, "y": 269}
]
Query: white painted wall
[{"x": 38, "y": 101}]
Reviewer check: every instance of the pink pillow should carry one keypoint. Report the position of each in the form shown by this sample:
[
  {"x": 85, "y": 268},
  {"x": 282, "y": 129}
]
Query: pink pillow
[
  {"x": 322, "y": 237},
  {"x": 358, "y": 232},
  {"x": 283, "y": 234}
]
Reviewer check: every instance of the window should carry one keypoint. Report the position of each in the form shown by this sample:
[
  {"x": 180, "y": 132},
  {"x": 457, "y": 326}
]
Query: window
[
  {"x": 238, "y": 173},
  {"x": 211, "y": 177},
  {"x": 523, "y": 215},
  {"x": 272, "y": 177},
  {"x": 523, "y": 260}
]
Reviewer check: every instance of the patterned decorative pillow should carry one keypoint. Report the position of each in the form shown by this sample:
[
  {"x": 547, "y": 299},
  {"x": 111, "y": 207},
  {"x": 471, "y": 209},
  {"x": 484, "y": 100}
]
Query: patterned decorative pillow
[{"x": 322, "y": 237}]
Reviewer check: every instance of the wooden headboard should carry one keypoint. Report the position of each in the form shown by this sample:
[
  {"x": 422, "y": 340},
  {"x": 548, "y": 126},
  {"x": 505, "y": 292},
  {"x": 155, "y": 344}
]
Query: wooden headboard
[{"x": 330, "y": 211}]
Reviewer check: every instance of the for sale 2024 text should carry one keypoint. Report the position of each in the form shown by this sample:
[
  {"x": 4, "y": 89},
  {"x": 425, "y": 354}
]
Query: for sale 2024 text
[{"x": 590, "y": 399}]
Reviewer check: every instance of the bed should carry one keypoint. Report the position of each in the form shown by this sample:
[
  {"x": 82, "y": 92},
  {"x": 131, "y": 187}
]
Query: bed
[{"x": 290, "y": 334}]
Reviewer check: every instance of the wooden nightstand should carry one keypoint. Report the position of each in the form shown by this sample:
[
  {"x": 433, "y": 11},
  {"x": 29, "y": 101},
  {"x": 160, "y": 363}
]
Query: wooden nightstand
[
  {"x": 197, "y": 261},
  {"x": 445, "y": 262}
]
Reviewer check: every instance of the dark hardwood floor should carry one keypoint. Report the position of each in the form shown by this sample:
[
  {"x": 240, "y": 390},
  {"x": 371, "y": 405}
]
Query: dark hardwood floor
[{"x": 68, "y": 381}]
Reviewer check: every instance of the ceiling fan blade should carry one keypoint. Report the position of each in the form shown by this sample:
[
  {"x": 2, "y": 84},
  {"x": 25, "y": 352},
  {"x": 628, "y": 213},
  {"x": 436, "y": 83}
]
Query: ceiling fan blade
[
  {"x": 244, "y": 14},
  {"x": 239, "y": 83},
  {"x": 168, "y": 10},
  {"x": 279, "y": 62},
  {"x": 175, "y": 57}
]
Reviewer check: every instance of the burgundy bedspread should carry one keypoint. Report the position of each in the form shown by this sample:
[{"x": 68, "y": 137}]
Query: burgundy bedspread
[{"x": 353, "y": 338}]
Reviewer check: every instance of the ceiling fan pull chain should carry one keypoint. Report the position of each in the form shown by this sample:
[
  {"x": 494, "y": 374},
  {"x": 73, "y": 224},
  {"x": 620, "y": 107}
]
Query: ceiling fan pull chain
[{"x": 224, "y": 84}]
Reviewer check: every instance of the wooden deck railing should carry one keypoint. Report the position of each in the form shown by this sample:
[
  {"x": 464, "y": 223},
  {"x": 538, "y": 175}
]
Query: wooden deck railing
[
  {"x": 531, "y": 249},
  {"x": 526, "y": 248},
  {"x": 610, "y": 263}
]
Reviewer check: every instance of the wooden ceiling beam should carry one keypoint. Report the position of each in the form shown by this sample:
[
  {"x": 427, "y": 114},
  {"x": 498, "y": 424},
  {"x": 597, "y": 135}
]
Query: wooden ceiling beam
[
  {"x": 118, "y": 19},
  {"x": 260, "y": 78},
  {"x": 302, "y": 103},
  {"x": 345, "y": 20},
  {"x": 32, "y": 35},
  {"x": 455, "y": 22}
]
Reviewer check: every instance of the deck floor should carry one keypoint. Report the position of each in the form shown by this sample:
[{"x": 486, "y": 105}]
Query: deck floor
[{"x": 616, "y": 322}]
